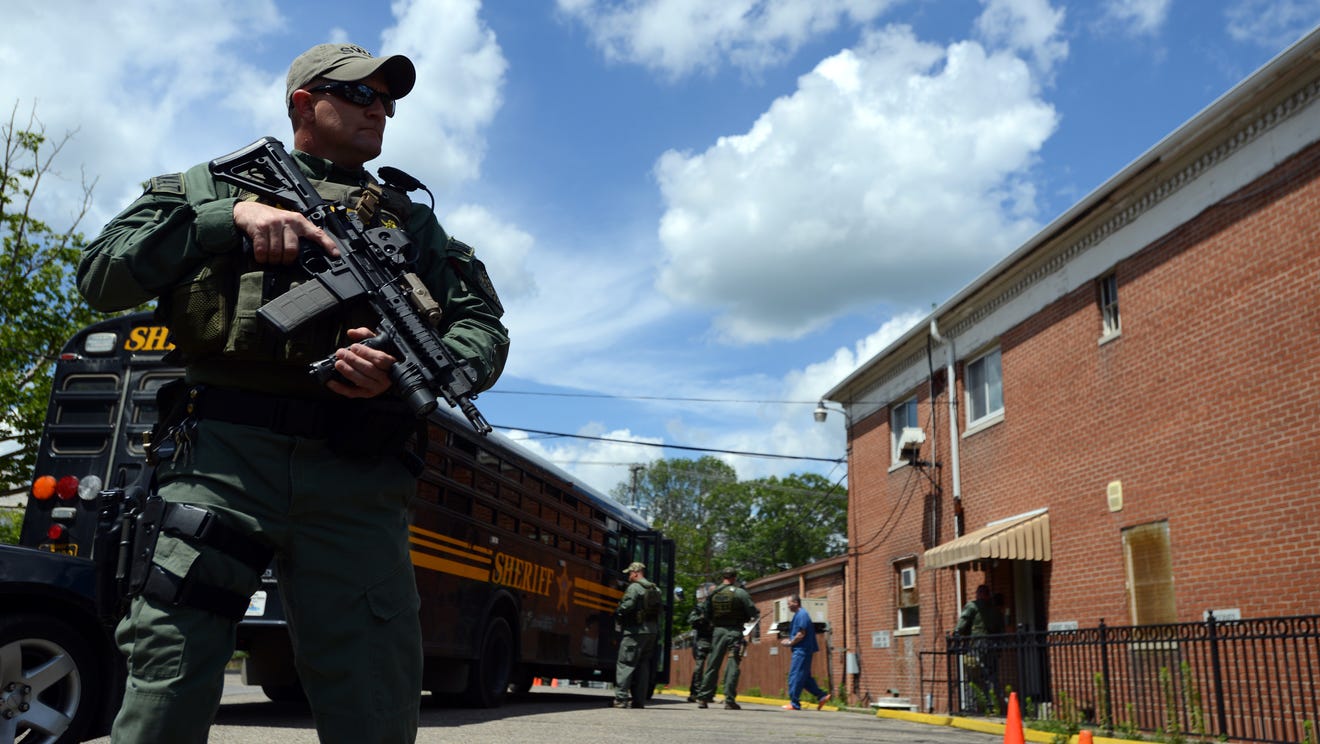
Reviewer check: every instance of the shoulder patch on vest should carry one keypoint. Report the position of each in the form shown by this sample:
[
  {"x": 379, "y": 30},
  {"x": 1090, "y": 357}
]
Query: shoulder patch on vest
[
  {"x": 170, "y": 183},
  {"x": 464, "y": 261}
]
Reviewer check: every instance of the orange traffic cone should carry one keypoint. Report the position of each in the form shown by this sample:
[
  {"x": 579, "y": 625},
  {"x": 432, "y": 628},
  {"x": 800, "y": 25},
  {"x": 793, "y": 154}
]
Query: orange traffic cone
[
  {"x": 554, "y": 682},
  {"x": 536, "y": 681},
  {"x": 1084, "y": 737},
  {"x": 1013, "y": 726}
]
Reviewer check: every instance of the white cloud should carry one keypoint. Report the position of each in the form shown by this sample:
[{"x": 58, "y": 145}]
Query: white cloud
[
  {"x": 129, "y": 84},
  {"x": 680, "y": 37},
  {"x": 786, "y": 429},
  {"x": 1139, "y": 17},
  {"x": 1029, "y": 27},
  {"x": 1273, "y": 24},
  {"x": 599, "y": 464},
  {"x": 460, "y": 77},
  {"x": 503, "y": 248},
  {"x": 895, "y": 172},
  {"x": 153, "y": 86}
]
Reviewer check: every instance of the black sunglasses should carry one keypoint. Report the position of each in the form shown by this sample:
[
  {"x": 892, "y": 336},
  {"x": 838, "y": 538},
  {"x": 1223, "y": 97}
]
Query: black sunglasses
[{"x": 359, "y": 94}]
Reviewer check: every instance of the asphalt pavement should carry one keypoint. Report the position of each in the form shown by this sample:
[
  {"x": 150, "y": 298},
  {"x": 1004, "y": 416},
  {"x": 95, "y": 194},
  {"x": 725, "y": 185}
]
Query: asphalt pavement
[{"x": 583, "y": 716}]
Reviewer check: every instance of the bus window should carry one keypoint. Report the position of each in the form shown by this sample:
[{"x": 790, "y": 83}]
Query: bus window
[
  {"x": 460, "y": 472},
  {"x": 531, "y": 506},
  {"x": 74, "y": 443},
  {"x": 428, "y": 492},
  {"x": 75, "y": 412},
  {"x": 457, "y": 501},
  {"x": 483, "y": 513},
  {"x": 91, "y": 384}
]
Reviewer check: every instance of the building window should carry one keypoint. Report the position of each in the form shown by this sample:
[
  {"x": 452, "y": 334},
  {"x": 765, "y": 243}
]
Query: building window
[
  {"x": 907, "y": 599},
  {"x": 1108, "y": 297},
  {"x": 985, "y": 388},
  {"x": 900, "y": 415},
  {"x": 1149, "y": 566}
]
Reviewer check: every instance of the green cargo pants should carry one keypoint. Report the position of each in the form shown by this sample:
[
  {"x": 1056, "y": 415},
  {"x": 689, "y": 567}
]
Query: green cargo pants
[
  {"x": 724, "y": 640},
  {"x": 633, "y": 668},
  {"x": 340, "y": 531}
]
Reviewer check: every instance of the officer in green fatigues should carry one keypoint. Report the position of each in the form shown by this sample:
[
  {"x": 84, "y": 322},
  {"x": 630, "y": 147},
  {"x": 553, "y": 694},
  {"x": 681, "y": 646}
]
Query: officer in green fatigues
[
  {"x": 701, "y": 629},
  {"x": 311, "y": 474},
  {"x": 729, "y": 608},
  {"x": 638, "y": 617}
]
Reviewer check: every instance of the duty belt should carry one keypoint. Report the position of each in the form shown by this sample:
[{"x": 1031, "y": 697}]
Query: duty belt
[{"x": 296, "y": 417}]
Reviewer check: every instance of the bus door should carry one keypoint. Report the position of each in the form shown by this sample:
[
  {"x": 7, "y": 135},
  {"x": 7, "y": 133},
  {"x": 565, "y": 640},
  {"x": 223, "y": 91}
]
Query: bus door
[
  {"x": 657, "y": 552},
  {"x": 102, "y": 401}
]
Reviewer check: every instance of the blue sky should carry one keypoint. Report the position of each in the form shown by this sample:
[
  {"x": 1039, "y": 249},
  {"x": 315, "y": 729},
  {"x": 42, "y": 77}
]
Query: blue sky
[{"x": 700, "y": 214}]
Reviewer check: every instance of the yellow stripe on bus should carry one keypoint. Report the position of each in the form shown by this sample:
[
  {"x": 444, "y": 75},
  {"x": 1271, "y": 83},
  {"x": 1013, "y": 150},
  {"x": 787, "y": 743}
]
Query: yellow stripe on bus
[
  {"x": 592, "y": 603},
  {"x": 450, "y": 540},
  {"x": 461, "y": 553},
  {"x": 588, "y": 585},
  {"x": 444, "y": 565}
]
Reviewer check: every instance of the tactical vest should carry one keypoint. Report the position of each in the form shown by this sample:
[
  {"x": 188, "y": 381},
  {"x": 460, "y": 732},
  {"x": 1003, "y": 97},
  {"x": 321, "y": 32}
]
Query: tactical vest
[
  {"x": 651, "y": 603},
  {"x": 724, "y": 607},
  {"x": 214, "y": 312}
]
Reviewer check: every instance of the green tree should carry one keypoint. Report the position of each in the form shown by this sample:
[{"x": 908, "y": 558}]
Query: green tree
[
  {"x": 39, "y": 306},
  {"x": 799, "y": 519},
  {"x": 691, "y": 502},
  {"x": 759, "y": 527}
]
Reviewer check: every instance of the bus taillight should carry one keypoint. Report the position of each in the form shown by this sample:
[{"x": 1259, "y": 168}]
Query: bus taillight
[
  {"x": 43, "y": 487},
  {"x": 89, "y": 487},
  {"x": 67, "y": 487}
]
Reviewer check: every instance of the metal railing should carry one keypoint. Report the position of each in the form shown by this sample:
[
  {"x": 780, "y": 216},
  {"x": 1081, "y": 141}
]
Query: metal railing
[{"x": 1243, "y": 680}]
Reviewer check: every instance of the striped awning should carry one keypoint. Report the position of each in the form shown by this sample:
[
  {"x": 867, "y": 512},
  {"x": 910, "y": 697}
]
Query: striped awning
[{"x": 1025, "y": 537}]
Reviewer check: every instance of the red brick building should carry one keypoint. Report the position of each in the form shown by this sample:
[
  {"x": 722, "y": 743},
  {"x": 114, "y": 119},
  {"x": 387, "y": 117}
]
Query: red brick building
[{"x": 1122, "y": 423}]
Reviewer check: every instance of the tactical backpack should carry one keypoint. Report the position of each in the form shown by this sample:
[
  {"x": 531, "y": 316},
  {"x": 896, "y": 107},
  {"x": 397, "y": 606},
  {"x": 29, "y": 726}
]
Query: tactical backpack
[{"x": 652, "y": 603}]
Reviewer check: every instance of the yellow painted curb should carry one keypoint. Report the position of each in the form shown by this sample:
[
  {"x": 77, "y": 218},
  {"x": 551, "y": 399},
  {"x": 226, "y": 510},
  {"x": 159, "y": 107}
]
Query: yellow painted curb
[
  {"x": 985, "y": 727},
  {"x": 777, "y": 702},
  {"x": 975, "y": 724},
  {"x": 906, "y": 715}
]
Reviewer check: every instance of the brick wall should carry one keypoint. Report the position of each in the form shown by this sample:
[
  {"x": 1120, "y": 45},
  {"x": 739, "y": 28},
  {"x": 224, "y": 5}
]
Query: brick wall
[{"x": 1204, "y": 408}]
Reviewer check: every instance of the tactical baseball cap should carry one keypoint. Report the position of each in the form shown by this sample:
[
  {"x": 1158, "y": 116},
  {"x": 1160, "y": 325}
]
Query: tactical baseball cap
[
  {"x": 636, "y": 566},
  {"x": 349, "y": 63},
  {"x": 729, "y": 573}
]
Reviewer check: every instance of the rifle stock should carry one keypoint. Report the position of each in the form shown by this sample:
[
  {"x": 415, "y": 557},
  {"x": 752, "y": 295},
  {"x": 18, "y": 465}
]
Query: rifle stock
[{"x": 372, "y": 265}]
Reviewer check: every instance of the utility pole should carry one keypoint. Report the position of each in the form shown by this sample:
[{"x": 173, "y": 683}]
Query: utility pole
[{"x": 636, "y": 469}]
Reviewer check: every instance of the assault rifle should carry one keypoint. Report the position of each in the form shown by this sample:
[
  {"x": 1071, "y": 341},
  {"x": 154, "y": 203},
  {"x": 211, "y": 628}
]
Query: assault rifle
[{"x": 372, "y": 264}]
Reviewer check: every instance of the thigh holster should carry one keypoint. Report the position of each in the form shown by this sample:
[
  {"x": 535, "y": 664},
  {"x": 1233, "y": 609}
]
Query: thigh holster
[{"x": 200, "y": 528}]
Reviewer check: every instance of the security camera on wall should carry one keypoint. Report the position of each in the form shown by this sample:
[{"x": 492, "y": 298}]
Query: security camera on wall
[{"x": 909, "y": 444}]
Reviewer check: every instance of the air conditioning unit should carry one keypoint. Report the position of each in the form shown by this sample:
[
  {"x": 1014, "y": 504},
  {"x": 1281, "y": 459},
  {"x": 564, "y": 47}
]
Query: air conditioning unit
[
  {"x": 907, "y": 577},
  {"x": 909, "y": 443},
  {"x": 782, "y": 615}
]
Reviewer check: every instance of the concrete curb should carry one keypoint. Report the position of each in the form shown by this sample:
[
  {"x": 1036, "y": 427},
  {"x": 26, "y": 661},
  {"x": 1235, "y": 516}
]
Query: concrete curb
[
  {"x": 777, "y": 702},
  {"x": 980, "y": 725},
  {"x": 986, "y": 727}
]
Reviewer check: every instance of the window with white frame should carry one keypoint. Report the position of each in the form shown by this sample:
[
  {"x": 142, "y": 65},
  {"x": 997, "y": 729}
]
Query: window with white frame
[
  {"x": 901, "y": 415},
  {"x": 985, "y": 388},
  {"x": 907, "y": 599},
  {"x": 1108, "y": 298}
]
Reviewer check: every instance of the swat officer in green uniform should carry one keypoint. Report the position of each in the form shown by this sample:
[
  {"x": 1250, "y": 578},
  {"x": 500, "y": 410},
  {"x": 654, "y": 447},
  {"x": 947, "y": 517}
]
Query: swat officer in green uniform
[
  {"x": 729, "y": 608},
  {"x": 701, "y": 630},
  {"x": 638, "y": 617},
  {"x": 311, "y": 474}
]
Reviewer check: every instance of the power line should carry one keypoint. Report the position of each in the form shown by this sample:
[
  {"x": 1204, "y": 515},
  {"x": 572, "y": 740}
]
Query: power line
[
  {"x": 673, "y": 446},
  {"x": 607, "y": 396}
]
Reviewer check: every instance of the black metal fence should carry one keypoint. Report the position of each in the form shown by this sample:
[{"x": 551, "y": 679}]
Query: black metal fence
[{"x": 1243, "y": 680}]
